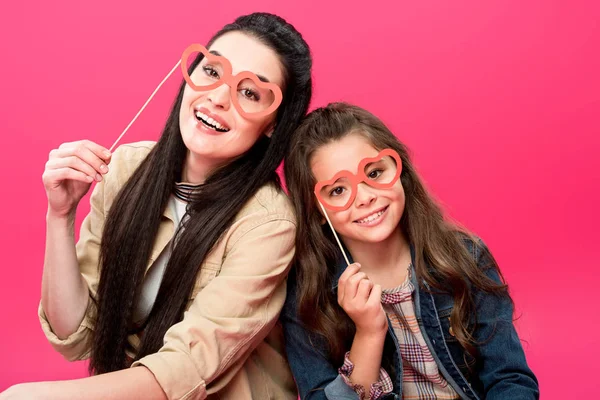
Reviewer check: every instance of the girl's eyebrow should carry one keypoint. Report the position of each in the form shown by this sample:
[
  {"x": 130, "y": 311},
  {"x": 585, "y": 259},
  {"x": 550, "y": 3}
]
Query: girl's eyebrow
[
  {"x": 334, "y": 182},
  {"x": 373, "y": 162},
  {"x": 260, "y": 77}
]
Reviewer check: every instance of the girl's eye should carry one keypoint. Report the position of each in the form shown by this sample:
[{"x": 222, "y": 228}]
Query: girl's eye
[
  {"x": 250, "y": 94},
  {"x": 336, "y": 191},
  {"x": 376, "y": 173},
  {"x": 210, "y": 72}
]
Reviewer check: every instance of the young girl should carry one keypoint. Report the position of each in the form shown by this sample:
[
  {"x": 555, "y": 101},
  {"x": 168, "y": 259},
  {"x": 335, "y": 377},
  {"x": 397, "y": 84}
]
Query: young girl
[
  {"x": 418, "y": 309},
  {"x": 180, "y": 268}
]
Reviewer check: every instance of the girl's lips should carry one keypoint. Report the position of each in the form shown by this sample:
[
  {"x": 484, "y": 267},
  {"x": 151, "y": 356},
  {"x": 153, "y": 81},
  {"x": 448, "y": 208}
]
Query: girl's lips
[{"x": 376, "y": 220}]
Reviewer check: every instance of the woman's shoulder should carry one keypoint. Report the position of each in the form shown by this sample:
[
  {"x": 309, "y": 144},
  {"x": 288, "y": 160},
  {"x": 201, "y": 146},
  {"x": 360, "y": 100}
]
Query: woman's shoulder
[
  {"x": 127, "y": 157},
  {"x": 124, "y": 161},
  {"x": 268, "y": 213},
  {"x": 269, "y": 202},
  {"x": 131, "y": 154}
]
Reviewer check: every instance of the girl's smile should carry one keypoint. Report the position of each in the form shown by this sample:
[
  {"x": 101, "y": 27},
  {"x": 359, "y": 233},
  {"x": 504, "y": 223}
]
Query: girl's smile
[{"x": 375, "y": 213}]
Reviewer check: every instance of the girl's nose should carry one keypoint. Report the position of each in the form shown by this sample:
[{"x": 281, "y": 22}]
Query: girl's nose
[{"x": 365, "y": 195}]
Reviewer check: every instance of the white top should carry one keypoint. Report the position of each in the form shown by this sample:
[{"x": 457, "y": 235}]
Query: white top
[{"x": 146, "y": 294}]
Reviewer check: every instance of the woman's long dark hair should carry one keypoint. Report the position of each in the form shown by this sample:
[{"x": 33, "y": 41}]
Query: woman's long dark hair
[
  {"x": 133, "y": 220},
  {"x": 441, "y": 257}
]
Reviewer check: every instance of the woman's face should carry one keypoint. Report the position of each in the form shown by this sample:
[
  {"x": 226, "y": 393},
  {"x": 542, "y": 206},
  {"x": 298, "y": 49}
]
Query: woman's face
[{"x": 211, "y": 126}]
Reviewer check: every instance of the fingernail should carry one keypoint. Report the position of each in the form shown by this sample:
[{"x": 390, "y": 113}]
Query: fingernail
[
  {"x": 358, "y": 265},
  {"x": 106, "y": 153},
  {"x": 103, "y": 167},
  {"x": 98, "y": 177}
]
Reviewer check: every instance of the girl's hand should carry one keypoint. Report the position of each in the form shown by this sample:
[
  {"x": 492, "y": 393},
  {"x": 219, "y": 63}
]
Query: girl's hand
[
  {"x": 69, "y": 173},
  {"x": 361, "y": 300}
]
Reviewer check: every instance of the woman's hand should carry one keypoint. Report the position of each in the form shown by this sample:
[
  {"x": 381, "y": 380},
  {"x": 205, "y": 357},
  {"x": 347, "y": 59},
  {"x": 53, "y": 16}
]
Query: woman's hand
[
  {"x": 69, "y": 173},
  {"x": 128, "y": 383},
  {"x": 361, "y": 300},
  {"x": 24, "y": 391}
]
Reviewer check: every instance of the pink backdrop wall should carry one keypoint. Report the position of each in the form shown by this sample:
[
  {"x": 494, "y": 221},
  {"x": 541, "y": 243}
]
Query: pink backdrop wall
[{"x": 499, "y": 101}]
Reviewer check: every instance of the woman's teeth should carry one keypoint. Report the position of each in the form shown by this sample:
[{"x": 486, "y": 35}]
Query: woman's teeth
[
  {"x": 371, "y": 217},
  {"x": 211, "y": 123}
]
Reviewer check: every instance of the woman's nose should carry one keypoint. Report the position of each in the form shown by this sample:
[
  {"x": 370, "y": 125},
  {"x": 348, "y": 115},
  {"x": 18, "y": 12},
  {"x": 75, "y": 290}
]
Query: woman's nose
[{"x": 220, "y": 97}]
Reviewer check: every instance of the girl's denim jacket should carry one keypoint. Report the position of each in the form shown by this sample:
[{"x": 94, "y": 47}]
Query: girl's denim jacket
[{"x": 500, "y": 370}]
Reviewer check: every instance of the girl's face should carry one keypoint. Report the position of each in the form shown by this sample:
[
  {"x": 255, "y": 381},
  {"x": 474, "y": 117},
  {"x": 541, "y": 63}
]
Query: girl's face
[
  {"x": 211, "y": 127},
  {"x": 375, "y": 213}
]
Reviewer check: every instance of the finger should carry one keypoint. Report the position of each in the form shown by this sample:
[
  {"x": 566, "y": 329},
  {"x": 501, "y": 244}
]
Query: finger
[
  {"x": 75, "y": 163},
  {"x": 85, "y": 154},
  {"x": 350, "y": 270},
  {"x": 352, "y": 285},
  {"x": 100, "y": 151},
  {"x": 53, "y": 178},
  {"x": 363, "y": 291},
  {"x": 375, "y": 295}
]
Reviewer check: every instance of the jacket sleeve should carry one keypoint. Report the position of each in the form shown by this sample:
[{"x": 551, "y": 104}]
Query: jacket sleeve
[
  {"x": 230, "y": 316},
  {"x": 504, "y": 371},
  {"x": 124, "y": 161},
  {"x": 316, "y": 377},
  {"x": 77, "y": 346}
]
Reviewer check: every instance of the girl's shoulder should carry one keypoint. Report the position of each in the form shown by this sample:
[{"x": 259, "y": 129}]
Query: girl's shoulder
[{"x": 474, "y": 245}]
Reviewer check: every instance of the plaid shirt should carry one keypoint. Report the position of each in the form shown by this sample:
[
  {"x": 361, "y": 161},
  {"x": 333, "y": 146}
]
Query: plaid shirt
[
  {"x": 382, "y": 386},
  {"x": 421, "y": 378}
]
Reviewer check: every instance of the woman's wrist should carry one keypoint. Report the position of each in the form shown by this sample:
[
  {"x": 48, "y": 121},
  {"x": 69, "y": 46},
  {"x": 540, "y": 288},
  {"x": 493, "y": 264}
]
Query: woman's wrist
[{"x": 54, "y": 218}]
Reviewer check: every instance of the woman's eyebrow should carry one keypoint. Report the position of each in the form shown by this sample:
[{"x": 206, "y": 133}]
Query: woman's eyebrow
[{"x": 261, "y": 77}]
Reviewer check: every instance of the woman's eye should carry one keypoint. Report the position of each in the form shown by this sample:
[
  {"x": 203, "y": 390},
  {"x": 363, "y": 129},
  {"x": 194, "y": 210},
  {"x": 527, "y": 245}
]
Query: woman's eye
[
  {"x": 250, "y": 94},
  {"x": 336, "y": 191},
  {"x": 376, "y": 173},
  {"x": 210, "y": 72}
]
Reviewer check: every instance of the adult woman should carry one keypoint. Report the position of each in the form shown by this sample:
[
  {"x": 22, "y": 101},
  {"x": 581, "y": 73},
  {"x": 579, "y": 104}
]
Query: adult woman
[{"x": 181, "y": 262}]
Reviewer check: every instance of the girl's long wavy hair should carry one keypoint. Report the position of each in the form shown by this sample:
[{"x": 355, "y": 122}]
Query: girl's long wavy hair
[
  {"x": 133, "y": 220},
  {"x": 441, "y": 256}
]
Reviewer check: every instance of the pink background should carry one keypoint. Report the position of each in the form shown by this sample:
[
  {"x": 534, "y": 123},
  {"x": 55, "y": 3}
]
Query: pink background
[{"x": 499, "y": 101}]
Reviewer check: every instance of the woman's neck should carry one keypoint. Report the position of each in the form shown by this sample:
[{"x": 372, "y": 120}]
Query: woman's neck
[
  {"x": 196, "y": 168},
  {"x": 386, "y": 263}
]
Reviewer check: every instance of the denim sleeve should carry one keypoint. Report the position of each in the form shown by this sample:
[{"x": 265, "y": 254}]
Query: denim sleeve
[
  {"x": 504, "y": 371},
  {"x": 316, "y": 377}
]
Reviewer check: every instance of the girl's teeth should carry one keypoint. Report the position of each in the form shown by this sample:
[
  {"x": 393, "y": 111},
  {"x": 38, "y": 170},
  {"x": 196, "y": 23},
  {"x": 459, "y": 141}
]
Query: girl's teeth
[{"x": 371, "y": 218}]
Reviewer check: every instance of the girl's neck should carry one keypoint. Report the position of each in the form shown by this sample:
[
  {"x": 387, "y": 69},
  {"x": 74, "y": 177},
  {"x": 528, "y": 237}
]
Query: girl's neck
[{"x": 386, "y": 263}]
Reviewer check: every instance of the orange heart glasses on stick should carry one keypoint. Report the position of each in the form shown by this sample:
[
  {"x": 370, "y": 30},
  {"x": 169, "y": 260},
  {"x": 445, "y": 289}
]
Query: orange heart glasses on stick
[
  {"x": 251, "y": 95},
  {"x": 339, "y": 192}
]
